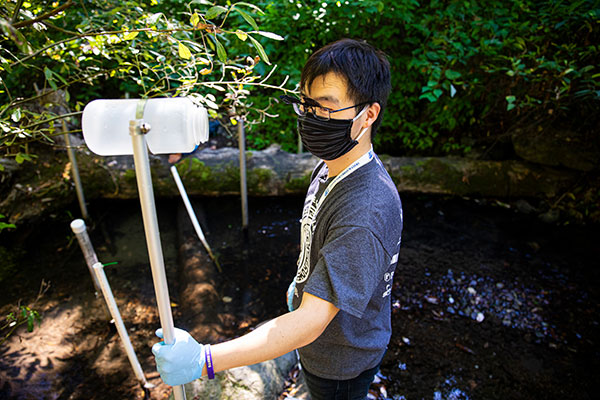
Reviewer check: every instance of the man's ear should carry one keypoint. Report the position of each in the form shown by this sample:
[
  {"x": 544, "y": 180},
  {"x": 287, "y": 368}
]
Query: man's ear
[{"x": 372, "y": 114}]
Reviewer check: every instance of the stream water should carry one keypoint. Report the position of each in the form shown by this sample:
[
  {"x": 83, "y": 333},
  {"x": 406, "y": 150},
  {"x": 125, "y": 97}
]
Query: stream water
[{"x": 487, "y": 303}]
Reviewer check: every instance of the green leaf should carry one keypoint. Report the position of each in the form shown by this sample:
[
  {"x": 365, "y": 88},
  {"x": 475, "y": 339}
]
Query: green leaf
[
  {"x": 260, "y": 49},
  {"x": 130, "y": 35},
  {"x": 221, "y": 53},
  {"x": 241, "y": 35},
  {"x": 252, "y": 6},
  {"x": 510, "y": 106},
  {"x": 184, "y": 51},
  {"x": 48, "y": 75},
  {"x": 214, "y": 12},
  {"x": 451, "y": 74},
  {"x": 19, "y": 158},
  {"x": 429, "y": 96},
  {"x": 4, "y": 225},
  {"x": 194, "y": 19},
  {"x": 30, "y": 320},
  {"x": 511, "y": 99},
  {"x": 151, "y": 20},
  {"x": 248, "y": 18},
  {"x": 437, "y": 93},
  {"x": 16, "y": 115},
  {"x": 15, "y": 36}
]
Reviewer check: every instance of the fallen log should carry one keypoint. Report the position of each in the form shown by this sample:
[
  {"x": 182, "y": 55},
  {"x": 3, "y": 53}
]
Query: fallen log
[{"x": 45, "y": 185}]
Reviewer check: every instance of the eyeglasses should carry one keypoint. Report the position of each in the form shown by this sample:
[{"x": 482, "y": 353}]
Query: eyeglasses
[{"x": 311, "y": 106}]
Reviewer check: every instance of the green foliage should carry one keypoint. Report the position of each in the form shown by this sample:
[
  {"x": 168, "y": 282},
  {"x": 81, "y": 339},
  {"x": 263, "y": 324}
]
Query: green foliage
[
  {"x": 4, "y": 225},
  {"x": 23, "y": 315},
  {"x": 463, "y": 71},
  {"x": 59, "y": 56}
]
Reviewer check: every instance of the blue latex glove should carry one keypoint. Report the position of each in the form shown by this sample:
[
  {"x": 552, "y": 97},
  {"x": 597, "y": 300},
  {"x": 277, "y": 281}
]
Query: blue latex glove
[
  {"x": 180, "y": 362},
  {"x": 290, "y": 295}
]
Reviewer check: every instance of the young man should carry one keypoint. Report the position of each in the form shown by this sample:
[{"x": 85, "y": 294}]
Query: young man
[{"x": 339, "y": 301}]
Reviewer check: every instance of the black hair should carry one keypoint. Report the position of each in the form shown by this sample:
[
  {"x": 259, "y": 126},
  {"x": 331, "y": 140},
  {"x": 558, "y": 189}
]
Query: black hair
[{"x": 365, "y": 69}]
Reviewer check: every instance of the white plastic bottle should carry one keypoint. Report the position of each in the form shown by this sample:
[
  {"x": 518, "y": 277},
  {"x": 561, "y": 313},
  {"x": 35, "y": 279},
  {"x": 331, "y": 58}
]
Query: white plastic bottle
[{"x": 177, "y": 125}]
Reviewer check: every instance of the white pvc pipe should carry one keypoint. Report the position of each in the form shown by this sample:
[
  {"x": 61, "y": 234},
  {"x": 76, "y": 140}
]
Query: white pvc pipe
[
  {"x": 75, "y": 172},
  {"x": 188, "y": 206},
  {"x": 157, "y": 265},
  {"x": 243, "y": 183},
  {"x": 79, "y": 229},
  {"x": 192, "y": 215},
  {"x": 114, "y": 311}
]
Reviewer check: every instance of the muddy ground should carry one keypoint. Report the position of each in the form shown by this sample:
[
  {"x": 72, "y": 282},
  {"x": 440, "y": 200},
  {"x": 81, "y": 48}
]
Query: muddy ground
[{"x": 488, "y": 303}]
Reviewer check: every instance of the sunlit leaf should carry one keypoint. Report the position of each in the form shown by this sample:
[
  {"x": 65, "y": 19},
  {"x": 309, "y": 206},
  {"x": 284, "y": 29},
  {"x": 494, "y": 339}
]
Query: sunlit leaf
[
  {"x": 260, "y": 49},
  {"x": 194, "y": 19},
  {"x": 270, "y": 35},
  {"x": 184, "y": 51},
  {"x": 16, "y": 115},
  {"x": 241, "y": 35},
  {"x": 151, "y": 20},
  {"x": 248, "y": 18},
  {"x": 130, "y": 35},
  {"x": 211, "y": 104}
]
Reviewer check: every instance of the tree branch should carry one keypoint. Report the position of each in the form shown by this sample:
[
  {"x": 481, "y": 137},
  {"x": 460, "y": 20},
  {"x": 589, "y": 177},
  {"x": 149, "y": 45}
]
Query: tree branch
[
  {"x": 16, "y": 12},
  {"x": 43, "y": 16}
]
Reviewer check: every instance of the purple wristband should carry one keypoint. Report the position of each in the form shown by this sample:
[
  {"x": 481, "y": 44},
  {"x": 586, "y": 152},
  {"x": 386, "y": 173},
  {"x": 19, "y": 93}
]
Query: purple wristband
[{"x": 209, "y": 363}]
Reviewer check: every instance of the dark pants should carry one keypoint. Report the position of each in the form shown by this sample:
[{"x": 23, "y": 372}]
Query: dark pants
[{"x": 330, "y": 389}]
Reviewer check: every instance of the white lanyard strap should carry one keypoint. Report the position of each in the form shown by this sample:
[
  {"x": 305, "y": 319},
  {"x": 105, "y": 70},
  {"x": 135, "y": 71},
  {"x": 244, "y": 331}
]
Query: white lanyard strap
[
  {"x": 310, "y": 216},
  {"x": 314, "y": 208}
]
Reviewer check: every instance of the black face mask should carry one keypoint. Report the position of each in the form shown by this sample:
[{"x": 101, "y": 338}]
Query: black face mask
[{"x": 329, "y": 139}]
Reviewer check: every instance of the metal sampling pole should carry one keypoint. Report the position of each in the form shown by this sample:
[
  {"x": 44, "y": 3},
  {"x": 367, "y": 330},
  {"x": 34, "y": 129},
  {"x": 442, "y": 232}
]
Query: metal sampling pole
[
  {"x": 79, "y": 229},
  {"x": 243, "y": 183},
  {"x": 75, "y": 172},
  {"x": 114, "y": 310},
  {"x": 137, "y": 130}
]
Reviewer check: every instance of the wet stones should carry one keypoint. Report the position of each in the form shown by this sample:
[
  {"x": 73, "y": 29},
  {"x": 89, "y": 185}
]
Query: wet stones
[{"x": 512, "y": 304}]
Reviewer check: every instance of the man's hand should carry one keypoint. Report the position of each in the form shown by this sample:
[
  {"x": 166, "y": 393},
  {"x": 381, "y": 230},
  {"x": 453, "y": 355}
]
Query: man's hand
[{"x": 181, "y": 361}]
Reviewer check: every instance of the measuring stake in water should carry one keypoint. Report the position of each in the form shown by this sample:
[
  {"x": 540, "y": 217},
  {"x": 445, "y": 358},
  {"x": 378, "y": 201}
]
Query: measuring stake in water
[{"x": 192, "y": 215}]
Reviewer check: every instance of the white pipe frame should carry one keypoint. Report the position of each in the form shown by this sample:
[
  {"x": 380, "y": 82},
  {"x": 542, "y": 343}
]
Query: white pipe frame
[{"x": 137, "y": 130}]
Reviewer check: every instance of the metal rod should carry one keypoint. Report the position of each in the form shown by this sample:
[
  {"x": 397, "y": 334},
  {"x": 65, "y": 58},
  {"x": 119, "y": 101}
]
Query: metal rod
[
  {"x": 144, "y": 182},
  {"x": 192, "y": 215},
  {"x": 243, "y": 183},
  {"x": 79, "y": 229},
  {"x": 75, "y": 172},
  {"x": 114, "y": 310}
]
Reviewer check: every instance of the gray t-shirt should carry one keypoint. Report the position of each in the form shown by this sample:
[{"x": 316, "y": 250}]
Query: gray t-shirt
[{"x": 353, "y": 256}]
